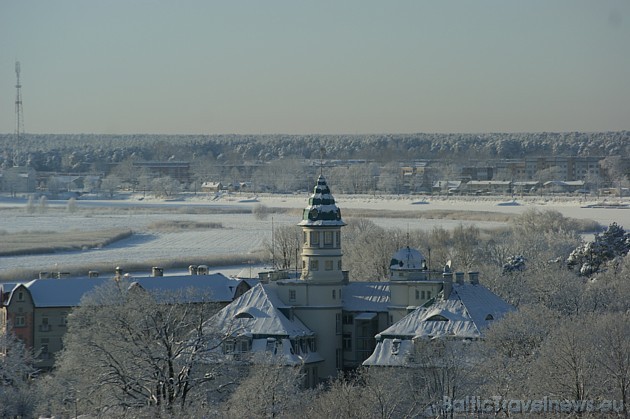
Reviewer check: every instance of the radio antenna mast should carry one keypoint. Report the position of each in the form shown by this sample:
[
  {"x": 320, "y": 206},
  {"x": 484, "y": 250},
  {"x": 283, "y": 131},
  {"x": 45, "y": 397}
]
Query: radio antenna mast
[{"x": 19, "y": 122}]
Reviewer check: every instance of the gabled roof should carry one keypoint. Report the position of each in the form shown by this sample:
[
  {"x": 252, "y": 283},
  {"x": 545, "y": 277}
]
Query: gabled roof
[
  {"x": 67, "y": 292},
  {"x": 466, "y": 314},
  {"x": 468, "y": 310},
  {"x": 366, "y": 296},
  {"x": 257, "y": 312}
]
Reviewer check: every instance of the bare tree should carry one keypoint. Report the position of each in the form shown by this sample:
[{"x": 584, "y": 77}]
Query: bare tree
[
  {"x": 286, "y": 246},
  {"x": 271, "y": 390},
  {"x": 127, "y": 349}
]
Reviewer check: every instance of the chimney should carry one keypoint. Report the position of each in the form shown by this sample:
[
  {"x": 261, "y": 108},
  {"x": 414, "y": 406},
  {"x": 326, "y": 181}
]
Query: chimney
[
  {"x": 43, "y": 275},
  {"x": 202, "y": 270},
  {"x": 157, "y": 271},
  {"x": 473, "y": 277},
  {"x": 447, "y": 277},
  {"x": 459, "y": 278},
  {"x": 192, "y": 269}
]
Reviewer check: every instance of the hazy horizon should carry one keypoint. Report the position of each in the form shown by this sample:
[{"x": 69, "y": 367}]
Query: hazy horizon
[{"x": 304, "y": 68}]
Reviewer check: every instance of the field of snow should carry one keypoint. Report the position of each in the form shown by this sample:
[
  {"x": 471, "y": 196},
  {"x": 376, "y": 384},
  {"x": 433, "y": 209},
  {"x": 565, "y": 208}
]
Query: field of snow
[{"x": 241, "y": 232}]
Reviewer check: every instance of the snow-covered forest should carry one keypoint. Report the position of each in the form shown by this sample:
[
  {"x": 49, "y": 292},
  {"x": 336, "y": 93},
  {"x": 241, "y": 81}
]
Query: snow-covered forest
[{"x": 84, "y": 152}]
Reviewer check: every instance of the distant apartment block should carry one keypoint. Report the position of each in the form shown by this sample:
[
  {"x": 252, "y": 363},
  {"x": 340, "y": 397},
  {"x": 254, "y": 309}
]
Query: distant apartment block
[{"x": 178, "y": 170}]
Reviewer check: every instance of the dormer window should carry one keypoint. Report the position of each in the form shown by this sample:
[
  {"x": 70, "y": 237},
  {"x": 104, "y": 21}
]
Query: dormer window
[
  {"x": 395, "y": 346},
  {"x": 243, "y": 315},
  {"x": 489, "y": 317},
  {"x": 437, "y": 318}
]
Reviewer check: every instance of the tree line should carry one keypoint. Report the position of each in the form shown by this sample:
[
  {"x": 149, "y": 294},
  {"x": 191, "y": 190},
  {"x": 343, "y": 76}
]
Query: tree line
[{"x": 96, "y": 152}]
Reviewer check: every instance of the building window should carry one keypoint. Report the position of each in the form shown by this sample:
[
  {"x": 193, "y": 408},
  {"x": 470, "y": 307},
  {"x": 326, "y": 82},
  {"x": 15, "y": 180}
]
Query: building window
[
  {"x": 291, "y": 295},
  {"x": 303, "y": 264},
  {"x": 339, "y": 264},
  {"x": 338, "y": 323},
  {"x": 43, "y": 350},
  {"x": 20, "y": 296},
  {"x": 348, "y": 319},
  {"x": 314, "y": 265},
  {"x": 20, "y": 321},
  {"x": 314, "y": 237},
  {"x": 339, "y": 359},
  {"x": 334, "y": 294},
  {"x": 45, "y": 326},
  {"x": 417, "y": 294},
  {"x": 305, "y": 237},
  {"x": 347, "y": 342},
  {"x": 63, "y": 320},
  {"x": 423, "y": 295},
  {"x": 328, "y": 238},
  {"x": 428, "y": 295},
  {"x": 329, "y": 265},
  {"x": 338, "y": 236}
]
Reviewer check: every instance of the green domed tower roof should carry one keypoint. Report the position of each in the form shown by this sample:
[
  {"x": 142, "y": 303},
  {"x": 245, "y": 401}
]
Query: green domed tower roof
[{"x": 322, "y": 210}]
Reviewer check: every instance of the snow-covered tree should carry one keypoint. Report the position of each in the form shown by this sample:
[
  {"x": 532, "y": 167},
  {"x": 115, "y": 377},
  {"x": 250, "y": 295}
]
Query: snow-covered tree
[
  {"x": 128, "y": 350},
  {"x": 17, "y": 399},
  {"x": 592, "y": 257}
]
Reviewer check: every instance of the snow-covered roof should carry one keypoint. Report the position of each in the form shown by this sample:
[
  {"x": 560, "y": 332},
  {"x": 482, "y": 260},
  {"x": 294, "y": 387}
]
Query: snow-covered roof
[
  {"x": 257, "y": 312},
  {"x": 407, "y": 258},
  {"x": 67, "y": 292},
  {"x": 467, "y": 312},
  {"x": 366, "y": 296},
  {"x": 322, "y": 210}
]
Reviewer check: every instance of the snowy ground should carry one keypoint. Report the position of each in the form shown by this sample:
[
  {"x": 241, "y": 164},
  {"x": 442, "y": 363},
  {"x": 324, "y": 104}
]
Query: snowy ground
[{"x": 242, "y": 233}]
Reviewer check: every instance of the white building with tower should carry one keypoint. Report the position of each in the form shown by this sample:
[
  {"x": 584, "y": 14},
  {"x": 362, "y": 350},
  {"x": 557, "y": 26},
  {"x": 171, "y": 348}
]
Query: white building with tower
[{"x": 326, "y": 323}]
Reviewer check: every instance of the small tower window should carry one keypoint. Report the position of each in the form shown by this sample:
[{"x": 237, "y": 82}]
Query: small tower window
[
  {"x": 417, "y": 294},
  {"x": 329, "y": 265},
  {"x": 314, "y": 237},
  {"x": 328, "y": 238}
]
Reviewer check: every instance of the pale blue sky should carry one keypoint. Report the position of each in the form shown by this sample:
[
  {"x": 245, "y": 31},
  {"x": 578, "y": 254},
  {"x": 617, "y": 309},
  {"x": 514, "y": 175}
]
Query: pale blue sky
[{"x": 297, "y": 67}]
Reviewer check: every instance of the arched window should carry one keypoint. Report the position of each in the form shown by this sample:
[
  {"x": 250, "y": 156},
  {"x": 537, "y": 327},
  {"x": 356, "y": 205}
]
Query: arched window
[{"x": 243, "y": 315}]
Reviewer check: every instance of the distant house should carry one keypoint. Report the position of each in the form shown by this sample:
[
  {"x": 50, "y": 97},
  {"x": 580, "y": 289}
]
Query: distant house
[
  {"x": 36, "y": 311},
  {"x": 211, "y": 187},
  {"x": 489, "y": 186},
  {"x": 18, "y": 180},
  {"x": 557, "y": 186},
  {"x": 450, "y": 186}
]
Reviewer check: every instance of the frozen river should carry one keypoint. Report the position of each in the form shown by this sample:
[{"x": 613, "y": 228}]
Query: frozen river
[{"x": 242, "y": 233}]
